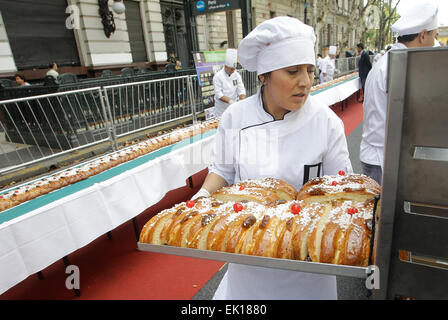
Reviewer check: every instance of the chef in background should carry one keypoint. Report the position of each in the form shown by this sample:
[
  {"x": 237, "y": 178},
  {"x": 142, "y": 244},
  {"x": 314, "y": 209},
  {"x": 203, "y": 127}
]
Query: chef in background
[
  {"x": 417, "y": 28},
  {"x": 328, "y": 66},
  {"x": 228, "y": 84}
]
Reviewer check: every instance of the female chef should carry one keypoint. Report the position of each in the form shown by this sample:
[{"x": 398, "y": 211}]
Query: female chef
[{"x": 279, "y": 132}]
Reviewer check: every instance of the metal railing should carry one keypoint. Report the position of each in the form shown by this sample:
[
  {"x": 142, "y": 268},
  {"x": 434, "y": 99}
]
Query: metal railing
[
  {"x": 250, "y": 80},
  {"x": 346, "y": 65},
  {"x": 50, "y": 125},
  {"x": 138, "y": 106},
  {"x": 54, "y": 124}
]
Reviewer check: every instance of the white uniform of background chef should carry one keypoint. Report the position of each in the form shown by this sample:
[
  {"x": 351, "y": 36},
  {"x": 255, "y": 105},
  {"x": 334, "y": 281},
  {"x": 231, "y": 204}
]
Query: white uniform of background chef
[
  {"x": 279, "y": 132},
  {"x": 416, "y": 28},
  {"x": 228, "y": 84},
  {"x": 328, "y": 66}
]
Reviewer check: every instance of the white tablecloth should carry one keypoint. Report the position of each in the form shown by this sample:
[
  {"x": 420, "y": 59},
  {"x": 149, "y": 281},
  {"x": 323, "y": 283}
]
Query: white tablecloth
[
  {"x": 339, "y": 92},
  {"x": 37, "y": 239}
]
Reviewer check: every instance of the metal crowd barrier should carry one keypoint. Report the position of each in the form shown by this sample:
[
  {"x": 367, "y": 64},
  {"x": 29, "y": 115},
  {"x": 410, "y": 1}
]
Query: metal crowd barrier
[
  {"x": 250, "y": 80},
  {"x": 50, "y": 125},
  {"x": 47, "y": 126},
  {"x": 137, "y": 106}
]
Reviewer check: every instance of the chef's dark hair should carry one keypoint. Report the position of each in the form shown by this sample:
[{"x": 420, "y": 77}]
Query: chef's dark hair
[
  {"x": 266, "y": 75},
  {"x": 410, "y": 37},
  {"x": 20, "y": 76},
  {"x": 361, "y": 45}
]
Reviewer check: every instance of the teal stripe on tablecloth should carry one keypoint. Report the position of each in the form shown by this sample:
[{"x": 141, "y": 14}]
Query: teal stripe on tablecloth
[
  {"x": 41, "y": 201},
  {"x": 335, "y": 85}
]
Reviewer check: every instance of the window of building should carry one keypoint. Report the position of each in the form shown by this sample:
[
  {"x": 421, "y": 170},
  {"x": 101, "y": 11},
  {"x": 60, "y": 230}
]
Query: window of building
[
  {"x": 135, "y": 31},
  {"x": 38, "y": 34}
]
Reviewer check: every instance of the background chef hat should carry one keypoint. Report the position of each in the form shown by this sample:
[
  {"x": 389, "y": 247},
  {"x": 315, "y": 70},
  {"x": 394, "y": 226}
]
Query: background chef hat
[
  {"x": 277, "y": 43},
  {"x": 420, "y": 17},
  {"x": 332, "y": 50},
  {"x": 231, "y": 58}
]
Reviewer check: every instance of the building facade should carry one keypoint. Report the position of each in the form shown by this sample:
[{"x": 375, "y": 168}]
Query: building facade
[{"x": 73, "y": 33}]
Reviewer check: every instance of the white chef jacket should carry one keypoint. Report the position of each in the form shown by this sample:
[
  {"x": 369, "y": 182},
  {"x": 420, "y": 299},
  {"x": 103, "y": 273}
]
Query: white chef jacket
[
  {"x": 328, "y": 67},
  {"x": 250, "y": 144},
  {"x": 375, "y": 112},
  {"x": 230, "y": 86},
  {"x": 320, "y": 63}
]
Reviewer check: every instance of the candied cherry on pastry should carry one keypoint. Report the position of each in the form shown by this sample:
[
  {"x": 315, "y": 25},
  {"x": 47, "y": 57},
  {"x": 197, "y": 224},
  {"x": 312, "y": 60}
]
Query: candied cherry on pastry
[
  {"x": 295, "y": 208},
  {"x": 237, "y": 207},
  {"x": 334, "y": 183},
  {"x": 242, "y": 187},
  {"x": 341, "y": 173},
  {"x": 352, "y": 211},
  {"x": 190, "y": 204}
]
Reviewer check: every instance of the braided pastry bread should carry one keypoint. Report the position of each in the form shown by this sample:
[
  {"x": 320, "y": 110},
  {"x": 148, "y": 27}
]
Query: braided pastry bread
[
  {"x": 268, "y": 191},
  {"x": 334, "y": 231},
  {"x": 43, "y": 186},
  {"x": 357, "y": 187}
]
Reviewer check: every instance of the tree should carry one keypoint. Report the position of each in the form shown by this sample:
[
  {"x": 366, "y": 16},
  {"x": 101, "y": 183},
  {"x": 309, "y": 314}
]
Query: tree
[
  {"x": 388, "y": 17},
  {"x": 320, "y": 11}
]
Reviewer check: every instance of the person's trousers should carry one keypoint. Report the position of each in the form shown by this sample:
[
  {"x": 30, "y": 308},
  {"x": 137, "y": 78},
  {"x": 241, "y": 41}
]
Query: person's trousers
[{"x": 372, "y": 171}]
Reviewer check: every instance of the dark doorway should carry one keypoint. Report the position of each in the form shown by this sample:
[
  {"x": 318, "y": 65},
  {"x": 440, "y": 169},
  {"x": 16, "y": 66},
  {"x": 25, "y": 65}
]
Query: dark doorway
[
  {"x": 173, "y": 19},
  {"x": 38, "y": 34}
]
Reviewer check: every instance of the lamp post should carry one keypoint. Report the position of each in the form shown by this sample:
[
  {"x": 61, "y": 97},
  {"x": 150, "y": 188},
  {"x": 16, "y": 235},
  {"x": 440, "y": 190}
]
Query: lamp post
[
  {"x": 118, "y": 7},
  {"x": 306, "y": 6}
]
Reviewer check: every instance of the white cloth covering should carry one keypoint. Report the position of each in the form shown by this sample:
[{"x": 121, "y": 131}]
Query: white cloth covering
[
  {"x": 229, "y": 86},
  {"x": 277, "y": 43},
  {"x": 375, "y": 112},
  {"x": 421, "y": 16},
  {"x": 33, "y": 241},
  {"x": 309, "y": 142}
]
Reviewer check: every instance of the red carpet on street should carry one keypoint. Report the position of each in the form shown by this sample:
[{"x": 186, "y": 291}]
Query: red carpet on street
[{"x": 115, "y": 269}]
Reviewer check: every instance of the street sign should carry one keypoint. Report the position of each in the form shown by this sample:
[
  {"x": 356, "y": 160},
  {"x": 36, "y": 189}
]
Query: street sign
[{"x": 208, "y": 6}]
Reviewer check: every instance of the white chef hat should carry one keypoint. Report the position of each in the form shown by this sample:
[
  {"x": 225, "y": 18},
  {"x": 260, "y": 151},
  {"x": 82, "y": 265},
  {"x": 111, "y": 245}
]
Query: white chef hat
[
  {"x": 332, "y": 50},
  {"x": 231, "y": 58},
  {"x": 420, "y": 17},
  {"x": 277, "y": 43}
]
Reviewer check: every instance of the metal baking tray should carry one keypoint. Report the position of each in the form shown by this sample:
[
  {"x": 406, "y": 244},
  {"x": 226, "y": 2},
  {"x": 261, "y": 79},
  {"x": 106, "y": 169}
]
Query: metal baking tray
[{"x": 276, "y": 263}]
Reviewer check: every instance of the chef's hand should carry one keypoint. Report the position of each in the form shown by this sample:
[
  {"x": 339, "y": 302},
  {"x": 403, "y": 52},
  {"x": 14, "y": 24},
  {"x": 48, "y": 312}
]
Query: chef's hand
[{"x": 201, "y": 193}]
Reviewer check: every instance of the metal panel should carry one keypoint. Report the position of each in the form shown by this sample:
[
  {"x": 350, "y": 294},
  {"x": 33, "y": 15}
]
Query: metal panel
[
  {"x": 286, "y": 264},
  {"x": 415, "y": 194}
]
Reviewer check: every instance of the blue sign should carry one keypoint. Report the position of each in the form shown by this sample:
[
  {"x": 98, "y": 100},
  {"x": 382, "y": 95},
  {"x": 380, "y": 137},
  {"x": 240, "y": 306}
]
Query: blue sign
[
  {"x": 200, "y": 5},
  {"x": 208, "y": 6}
]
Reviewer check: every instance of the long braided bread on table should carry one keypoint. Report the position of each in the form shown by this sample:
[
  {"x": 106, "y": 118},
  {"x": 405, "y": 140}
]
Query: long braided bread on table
[
  {"x": 329, "y": 220},
  {"x": 39, "y": 187}
]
